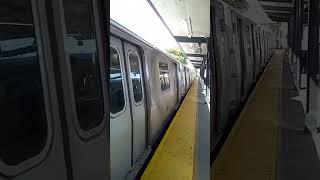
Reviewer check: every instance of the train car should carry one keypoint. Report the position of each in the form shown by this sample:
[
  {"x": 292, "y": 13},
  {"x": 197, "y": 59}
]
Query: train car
[
  {"x": 146, "y": 88},
  {"x": 242, "y": 49}
]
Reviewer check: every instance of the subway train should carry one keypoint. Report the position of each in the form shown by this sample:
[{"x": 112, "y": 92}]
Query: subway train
[
  {"x": 54, "y": 104},
  {"x": 241, "y": 51},
  {"x": 146, "y": 87}
]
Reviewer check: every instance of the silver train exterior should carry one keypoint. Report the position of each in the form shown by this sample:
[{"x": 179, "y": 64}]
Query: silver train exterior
[
  {"x": 53, "y": 94},
  {"x": 242, "y": 51},
  {"x": 148, "y": 97}
]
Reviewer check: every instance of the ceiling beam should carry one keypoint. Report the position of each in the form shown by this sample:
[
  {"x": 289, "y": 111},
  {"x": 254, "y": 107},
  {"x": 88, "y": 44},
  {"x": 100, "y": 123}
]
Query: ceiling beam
[
  {"x": 186, "y": 39},
  {"x": 277, "y": 8},
  {"x": 277, "y": 1},
  {"x": 196, "y": 63},
  {"x": 192, "y": 60},
  {"x": 279, "y": 18},
  {"x": 275, "y": 11},
  {"x": 196, "y": 55},
  {"x": 278, "y": 4},
  {"x": 287, "y": 15}
]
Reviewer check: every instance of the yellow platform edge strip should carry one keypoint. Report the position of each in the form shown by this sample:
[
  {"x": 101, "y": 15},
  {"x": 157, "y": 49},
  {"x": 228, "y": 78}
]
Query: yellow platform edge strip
[
  {"x": 173, "y": 158},
  {"x": 233, "y": 162}
]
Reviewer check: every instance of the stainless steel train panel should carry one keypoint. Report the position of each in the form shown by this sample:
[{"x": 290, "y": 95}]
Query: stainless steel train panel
[
  {"x": 258, "y": 50},
  {"x": 244, "y": 65},
  {"x": 249, "y": 55},
  {"x": 255, "y": 47},
  {"x": 265, "y": 43},
  {"x": 263, "y": 52},
  {"x": 81, "y": 66},
  {"x": 233, "y": 61},
  {"x": 176, "y": 84},
  {"x": 182, "y": 84},
  {"x": 162, "y": 102},
  {"x": 187, "y": 78},
  {"x": 137, "y": 99},
  {"x": 120, "y": 121},
  {"x": 223, "y": 68},
  {"x": 237, "y": 59}
]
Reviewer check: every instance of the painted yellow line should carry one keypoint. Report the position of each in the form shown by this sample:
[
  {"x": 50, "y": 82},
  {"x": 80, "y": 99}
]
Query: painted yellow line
[
  {"x": 251, "y": 149},
  {"x": 174, "y": 157}
]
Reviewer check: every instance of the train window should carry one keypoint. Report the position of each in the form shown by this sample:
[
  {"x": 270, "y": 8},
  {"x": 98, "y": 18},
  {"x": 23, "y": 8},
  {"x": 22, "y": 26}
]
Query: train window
[
  {"x": 248, "y": 34},
  {"x": 23, "y": 125},
  {"x": 82, "y": 50},
  {"x": 234, "y": 27},
  {"x": 117, "y": 101},
  {"x": 135, "y": 76},
  {"x": 164, "y": 76},
  {"x": 257, "y": 40}
]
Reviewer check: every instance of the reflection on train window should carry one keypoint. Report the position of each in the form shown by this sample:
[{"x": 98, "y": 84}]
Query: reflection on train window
[
  {"x": 164, "y": 76},
  {"x": 82, "y": 50},
  {"x": 135, "y": 76},
  {"x": 117, "y": 102},
  {"x": 23, "y": 125}
]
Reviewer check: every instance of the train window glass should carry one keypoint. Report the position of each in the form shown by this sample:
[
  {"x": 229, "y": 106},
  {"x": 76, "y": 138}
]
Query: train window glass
[
  {"x": 248, "y": 34},
  {"x": 23, "y": 125},
  {"x": 117, "y": 101},
  {"x": 257, "y": 41},
  {"x": 82, "y": 49},
  {"x": 135, "y": 76},
  {"x": 234, "y": 26},
  {"x": 164, "y": 76}
]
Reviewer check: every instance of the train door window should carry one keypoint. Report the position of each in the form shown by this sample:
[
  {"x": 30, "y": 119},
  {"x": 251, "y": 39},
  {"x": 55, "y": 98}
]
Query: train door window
[
  {"x": 24, "y": 127},
  {"x": 164, "y": 76},
  {"x": 85, "y": 69},
  {"x": 117, "y": 101},
  {"x": 135, "y": 76}
]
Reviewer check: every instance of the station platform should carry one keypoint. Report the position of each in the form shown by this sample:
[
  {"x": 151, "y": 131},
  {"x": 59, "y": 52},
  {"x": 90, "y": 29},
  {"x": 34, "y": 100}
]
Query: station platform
[
  {"x": 269, "y": 141},
  {"x": 183, "y": 152}
]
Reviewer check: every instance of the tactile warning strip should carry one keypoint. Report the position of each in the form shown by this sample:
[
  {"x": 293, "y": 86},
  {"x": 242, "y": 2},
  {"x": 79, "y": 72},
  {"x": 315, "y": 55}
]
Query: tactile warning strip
[{"x": 174, "y": 157}]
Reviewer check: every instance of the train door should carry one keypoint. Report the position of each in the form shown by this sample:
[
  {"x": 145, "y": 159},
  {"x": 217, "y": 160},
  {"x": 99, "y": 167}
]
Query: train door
[
  {"x": 260, "y": 50},
  {"x": 249, "y": 56},
  {"x": 120, "y": 115},
  {"x": 81, "y": 63},
  {"x": 265, "y": 49},
  {"x": 137, "y": 99},
  {"x": 185, "y": 79},
  {"x": 263, "y": 52},
  {"x": 242, "y": 58},
  {"x": 253, "y": 45},
  {"x": 181, "y": 80},
  {"x": 177, "y": 77},
  {"x": 31, "y": 139}
]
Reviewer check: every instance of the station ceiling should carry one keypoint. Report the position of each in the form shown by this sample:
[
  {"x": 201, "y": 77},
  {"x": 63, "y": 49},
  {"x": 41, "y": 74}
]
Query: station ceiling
[
  {"x": 278, "y": 10},
  {"x": 188, "y": 21}
]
